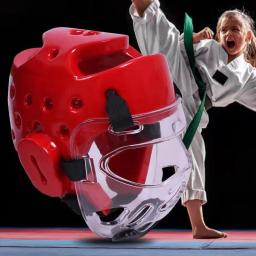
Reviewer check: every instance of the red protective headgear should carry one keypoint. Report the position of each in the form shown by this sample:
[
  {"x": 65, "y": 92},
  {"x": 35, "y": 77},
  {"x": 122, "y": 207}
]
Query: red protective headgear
[{"x": 54, "y": 88}]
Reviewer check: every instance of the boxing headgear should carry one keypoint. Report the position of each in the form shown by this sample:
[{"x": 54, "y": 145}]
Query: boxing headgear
[{"x": 93, "y": 117}]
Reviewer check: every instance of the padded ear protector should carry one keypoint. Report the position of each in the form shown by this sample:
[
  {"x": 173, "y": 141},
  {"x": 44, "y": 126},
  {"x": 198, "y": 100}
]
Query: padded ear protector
[{"x": 40, "y": 159}]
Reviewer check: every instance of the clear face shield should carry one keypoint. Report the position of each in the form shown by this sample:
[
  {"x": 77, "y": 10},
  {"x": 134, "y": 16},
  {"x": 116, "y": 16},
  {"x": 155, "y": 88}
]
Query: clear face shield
[{"x": 132, "y": 178}]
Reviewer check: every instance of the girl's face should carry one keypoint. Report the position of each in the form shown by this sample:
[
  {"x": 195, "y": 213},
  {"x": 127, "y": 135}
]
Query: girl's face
[{"x": 233, "y": 36}]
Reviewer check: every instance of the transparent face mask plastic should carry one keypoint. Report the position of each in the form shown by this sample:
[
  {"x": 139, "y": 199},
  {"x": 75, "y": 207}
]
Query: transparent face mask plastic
[{"x": 133, "y": 178}]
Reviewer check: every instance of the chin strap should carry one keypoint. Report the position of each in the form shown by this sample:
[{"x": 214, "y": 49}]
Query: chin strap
[
  {"x": 72, "y": 203},
  {"x": 188, "y": 42},
  {"x": 76, "y": 170}
]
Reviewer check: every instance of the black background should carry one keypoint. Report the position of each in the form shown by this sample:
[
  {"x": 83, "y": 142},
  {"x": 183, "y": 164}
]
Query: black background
[{"x": 230, "y": 137}]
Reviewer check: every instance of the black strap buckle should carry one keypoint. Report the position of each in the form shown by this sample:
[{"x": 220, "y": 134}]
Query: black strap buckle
[{"x": 79, "y": 169}]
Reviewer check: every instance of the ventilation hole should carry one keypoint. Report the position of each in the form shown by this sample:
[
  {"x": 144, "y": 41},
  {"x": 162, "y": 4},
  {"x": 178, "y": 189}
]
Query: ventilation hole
[
  {"x": 163, "y": 208},
  {"x": 48, "y": 103},
  {"x": 42, "y": 177},
  {"x": 112, "y": 215},
  {"x": 17, "y": 120},
  {"x": 99, "y": 64},
  {"x": 37, "y": 127},
  {"x": 13, "y": 135},
  {"x": 28, "y": 100},
  {"x": 76, "y": 32},
  {"x": 76, "y": 103},
  {"x": 90, "y": 33},
  {"x": 140, "y": 215},
  {"x": 145, "y": 227},
  {"x": 169, "y": 205},
  {"x": 53, "y": 53},
  {"x": 12, "y": 91},
  {"x": 64, "y": 131},
  {"x": 168, "y": 172}
]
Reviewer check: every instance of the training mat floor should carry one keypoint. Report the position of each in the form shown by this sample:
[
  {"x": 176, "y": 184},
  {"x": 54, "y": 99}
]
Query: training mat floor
[{"x": 79, "y": 242}]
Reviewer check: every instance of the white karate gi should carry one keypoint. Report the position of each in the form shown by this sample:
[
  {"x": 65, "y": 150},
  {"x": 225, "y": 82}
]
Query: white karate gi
[{"x": 155, "y": 34}]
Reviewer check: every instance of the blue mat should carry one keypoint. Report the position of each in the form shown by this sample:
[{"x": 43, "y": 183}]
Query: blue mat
[{"x": 244, "y": 245}]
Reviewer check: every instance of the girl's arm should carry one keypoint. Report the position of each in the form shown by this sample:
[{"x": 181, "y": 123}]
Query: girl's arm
[
  {"x": 205, "y": 33},
  {"x": 141, "y": 5}
]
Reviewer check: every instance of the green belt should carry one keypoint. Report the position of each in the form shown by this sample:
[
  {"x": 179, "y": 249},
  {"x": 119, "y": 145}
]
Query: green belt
[{"x": 188, "y": 42}]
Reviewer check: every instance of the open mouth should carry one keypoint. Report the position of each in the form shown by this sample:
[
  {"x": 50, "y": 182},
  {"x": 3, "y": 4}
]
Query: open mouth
[{"x": 230, "y": 44}]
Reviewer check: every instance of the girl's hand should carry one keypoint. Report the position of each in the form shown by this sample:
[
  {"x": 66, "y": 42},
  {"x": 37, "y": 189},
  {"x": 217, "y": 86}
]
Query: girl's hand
[{"x": 205, "y": 33}]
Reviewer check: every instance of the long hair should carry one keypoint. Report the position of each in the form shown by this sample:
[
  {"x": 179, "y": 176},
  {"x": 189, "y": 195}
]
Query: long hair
[{"x": 248, "y": 22}]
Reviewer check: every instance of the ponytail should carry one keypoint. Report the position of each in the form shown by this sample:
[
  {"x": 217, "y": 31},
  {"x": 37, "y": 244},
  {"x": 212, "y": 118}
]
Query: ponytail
[{"x": 250, "y": 51}]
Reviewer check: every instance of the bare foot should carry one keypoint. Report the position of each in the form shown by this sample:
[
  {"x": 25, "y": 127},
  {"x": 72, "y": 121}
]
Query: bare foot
[{"x": 207, "y": 233}]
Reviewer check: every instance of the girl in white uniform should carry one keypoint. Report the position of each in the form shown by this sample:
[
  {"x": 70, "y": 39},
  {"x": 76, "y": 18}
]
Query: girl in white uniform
[{"x": 226, "y": 66}]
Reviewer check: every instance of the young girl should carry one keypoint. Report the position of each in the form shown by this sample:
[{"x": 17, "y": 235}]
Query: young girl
[{"x": 227, "y": 66}]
